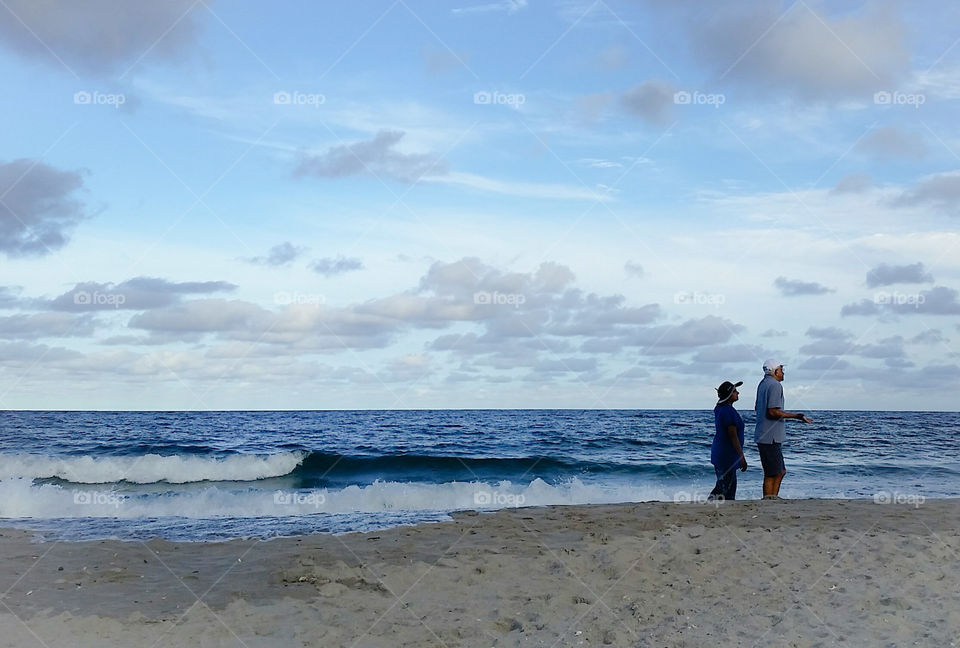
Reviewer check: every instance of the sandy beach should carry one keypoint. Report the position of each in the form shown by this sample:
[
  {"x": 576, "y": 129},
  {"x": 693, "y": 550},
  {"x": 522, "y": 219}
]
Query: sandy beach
[{"x": 787, "y": 573}]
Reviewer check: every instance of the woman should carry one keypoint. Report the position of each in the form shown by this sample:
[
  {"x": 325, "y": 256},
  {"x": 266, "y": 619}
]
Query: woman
[{"x": 726, "y": 455}]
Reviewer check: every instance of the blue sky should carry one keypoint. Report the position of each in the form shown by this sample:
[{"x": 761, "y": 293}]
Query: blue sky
[{"x": 210, "y": 205}]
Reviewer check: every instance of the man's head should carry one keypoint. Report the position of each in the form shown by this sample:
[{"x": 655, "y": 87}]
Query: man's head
[{"x": 773, "y": 368}]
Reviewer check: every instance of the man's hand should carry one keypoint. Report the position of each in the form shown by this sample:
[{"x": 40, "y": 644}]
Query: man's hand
[
  {"x": 743, "y": 464},
  {"x": 806, "y": 419}
]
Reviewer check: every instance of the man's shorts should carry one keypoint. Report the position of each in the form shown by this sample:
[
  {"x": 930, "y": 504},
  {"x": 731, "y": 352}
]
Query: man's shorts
[{"x": 771, "y": 456}]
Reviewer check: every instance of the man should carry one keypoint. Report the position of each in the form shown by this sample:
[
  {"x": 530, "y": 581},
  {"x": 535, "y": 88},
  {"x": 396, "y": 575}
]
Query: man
[
  {"x": 771, "y": 427},
  {"x": 726, "y": 454}
]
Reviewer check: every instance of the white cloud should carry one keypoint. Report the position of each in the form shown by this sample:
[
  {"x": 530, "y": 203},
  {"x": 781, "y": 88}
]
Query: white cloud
[
  {"x": 891, "y": 142},
  {"x": 329, "y": 266},
  {"x": 802, "y": 50},
  {"x": 100, "y": 36},
  {"x": 521, "y": 189},
  {"x": 940, "y": 190},
  {"x": 652, "y": 101},
  {"x": 886, "y": 274},
  {"x": 506, "y": 6},
  {"x": 38, "y": 208},
  {"x": 377, "y": 156}
]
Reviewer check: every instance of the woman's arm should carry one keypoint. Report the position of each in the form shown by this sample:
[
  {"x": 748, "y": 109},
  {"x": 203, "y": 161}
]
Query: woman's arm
[{"x": 735, "y": 441}]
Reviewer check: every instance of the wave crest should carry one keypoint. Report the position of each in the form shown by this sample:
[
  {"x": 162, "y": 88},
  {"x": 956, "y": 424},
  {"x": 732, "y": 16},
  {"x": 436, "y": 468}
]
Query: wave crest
[
  {"x": 150, "y": 468},
  {"x": 20, "y": 499}
]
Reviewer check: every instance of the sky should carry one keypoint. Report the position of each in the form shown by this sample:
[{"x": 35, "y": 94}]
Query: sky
[{"x": 508, "y": 204}]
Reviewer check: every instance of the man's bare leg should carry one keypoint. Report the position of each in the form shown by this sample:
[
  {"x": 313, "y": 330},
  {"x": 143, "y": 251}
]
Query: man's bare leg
[
  {"x": 771, "y": 485},
  {"x": 768, "y": 485}
]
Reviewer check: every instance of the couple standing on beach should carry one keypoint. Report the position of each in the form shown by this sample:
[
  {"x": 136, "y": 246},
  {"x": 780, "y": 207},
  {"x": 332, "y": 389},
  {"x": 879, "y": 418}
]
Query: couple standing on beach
[{"x": 727, "y": 456}]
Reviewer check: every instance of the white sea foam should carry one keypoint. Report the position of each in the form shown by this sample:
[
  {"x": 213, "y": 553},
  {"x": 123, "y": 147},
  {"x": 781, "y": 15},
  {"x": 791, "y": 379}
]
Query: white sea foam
[
  {"x": 149, "y": 468},
  {"x": 19, "y": 497}
]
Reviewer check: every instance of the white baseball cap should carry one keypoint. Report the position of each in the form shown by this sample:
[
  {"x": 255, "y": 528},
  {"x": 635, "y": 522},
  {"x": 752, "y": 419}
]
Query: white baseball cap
[{"x": 770, "y": 365}]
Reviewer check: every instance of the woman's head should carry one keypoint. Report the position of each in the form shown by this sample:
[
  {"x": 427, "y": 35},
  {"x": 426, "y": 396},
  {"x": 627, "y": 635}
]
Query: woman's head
[{"x": 727, "y": 393}]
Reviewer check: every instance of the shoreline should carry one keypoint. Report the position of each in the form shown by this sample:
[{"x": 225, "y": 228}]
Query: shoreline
[
  {"x": 805, "y": 572},
  {"x": 460, "y": 409},
  {"x": 911, "y": 500}
]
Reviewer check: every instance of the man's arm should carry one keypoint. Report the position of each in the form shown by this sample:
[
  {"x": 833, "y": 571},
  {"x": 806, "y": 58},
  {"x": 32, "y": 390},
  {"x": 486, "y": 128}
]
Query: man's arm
[
  {"x": 735, "y": 441},
  {"x": 777, "y": 413}
]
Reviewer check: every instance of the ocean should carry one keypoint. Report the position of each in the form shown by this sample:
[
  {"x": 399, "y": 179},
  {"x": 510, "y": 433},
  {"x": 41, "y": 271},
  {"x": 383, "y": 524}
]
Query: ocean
[{"x": 204, "y": 476}]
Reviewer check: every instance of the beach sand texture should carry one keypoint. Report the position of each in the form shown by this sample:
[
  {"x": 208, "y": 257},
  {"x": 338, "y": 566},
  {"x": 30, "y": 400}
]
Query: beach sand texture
[{"x": 754, "y": 573}]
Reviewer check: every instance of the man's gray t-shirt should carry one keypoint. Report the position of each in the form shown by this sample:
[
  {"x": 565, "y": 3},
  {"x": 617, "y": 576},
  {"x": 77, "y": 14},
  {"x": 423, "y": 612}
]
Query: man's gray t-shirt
[{"x": 769, "y": 394}]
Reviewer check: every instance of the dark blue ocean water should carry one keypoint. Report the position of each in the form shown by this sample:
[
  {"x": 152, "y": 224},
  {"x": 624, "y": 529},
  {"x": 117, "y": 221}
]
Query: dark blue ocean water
[{"x": 214, "y": 475}]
